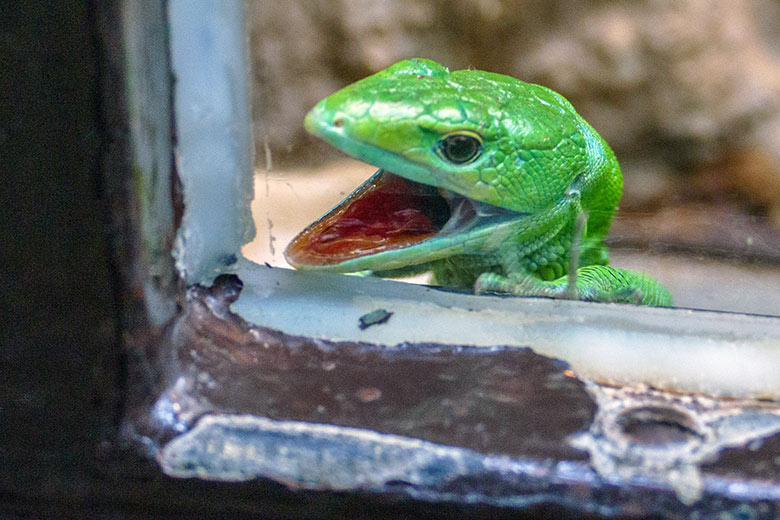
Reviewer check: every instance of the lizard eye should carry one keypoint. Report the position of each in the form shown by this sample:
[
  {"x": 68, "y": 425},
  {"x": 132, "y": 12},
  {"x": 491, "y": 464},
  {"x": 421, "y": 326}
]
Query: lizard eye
[{"x": 460, "y": 148}]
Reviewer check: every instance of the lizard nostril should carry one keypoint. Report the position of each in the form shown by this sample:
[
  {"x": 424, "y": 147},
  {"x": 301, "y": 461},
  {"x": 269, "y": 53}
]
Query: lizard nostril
[{"x": 338, "y": 122}]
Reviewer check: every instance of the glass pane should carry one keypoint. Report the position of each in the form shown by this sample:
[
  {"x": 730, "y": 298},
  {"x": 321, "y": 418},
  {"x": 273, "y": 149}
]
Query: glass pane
[{"x": 685, "y": 95}]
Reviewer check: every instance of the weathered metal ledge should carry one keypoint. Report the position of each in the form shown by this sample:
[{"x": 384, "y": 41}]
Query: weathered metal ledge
[{"x": 460, "y": 424}]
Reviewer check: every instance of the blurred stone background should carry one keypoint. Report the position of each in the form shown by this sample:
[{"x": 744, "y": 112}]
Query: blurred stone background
[{"x": 687, "y": 92}]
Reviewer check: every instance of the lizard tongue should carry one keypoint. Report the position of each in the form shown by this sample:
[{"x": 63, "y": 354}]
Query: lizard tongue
[{"x": 386, "y": 212}]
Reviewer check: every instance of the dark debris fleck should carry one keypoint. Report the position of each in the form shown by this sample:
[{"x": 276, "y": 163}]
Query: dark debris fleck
[{"x": 374, "y": 318}]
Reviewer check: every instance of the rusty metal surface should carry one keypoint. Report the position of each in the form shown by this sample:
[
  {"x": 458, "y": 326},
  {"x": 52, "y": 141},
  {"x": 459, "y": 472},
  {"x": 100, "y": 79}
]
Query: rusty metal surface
[
  {"x": 499, "y": 426},
  {"x": 484, "y": 399}
]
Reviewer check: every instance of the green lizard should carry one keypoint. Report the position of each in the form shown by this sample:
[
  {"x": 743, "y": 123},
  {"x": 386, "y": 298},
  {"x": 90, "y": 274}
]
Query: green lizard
[{"x": 484, "y": 180}]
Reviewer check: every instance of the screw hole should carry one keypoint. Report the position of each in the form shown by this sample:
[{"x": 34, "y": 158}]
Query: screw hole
[{"x": 657, "y": 425}]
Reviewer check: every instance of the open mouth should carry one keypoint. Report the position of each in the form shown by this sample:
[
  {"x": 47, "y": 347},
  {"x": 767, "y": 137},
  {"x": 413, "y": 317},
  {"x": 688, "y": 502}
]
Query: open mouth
[{"x": 388, "y": 212}]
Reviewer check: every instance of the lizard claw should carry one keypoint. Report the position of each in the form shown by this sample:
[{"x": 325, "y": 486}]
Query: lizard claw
[
  {"x": 628, "y": 295},
  {"x": 490, "y": 282}
]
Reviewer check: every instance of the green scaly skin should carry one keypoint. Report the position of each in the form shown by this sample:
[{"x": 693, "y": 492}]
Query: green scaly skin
[{"x": 537, "y": 158}]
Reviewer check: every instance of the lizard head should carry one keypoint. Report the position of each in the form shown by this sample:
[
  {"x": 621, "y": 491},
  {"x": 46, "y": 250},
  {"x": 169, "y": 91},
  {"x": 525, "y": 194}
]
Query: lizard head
[{"x": 452, "y": 147}]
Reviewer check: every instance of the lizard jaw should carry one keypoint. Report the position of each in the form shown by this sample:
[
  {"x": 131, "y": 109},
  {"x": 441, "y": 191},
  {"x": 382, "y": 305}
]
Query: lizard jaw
[{"x": 389, "y": 214}]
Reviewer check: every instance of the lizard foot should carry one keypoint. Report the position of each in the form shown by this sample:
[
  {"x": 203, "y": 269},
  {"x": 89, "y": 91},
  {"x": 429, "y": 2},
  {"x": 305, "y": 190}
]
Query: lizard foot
[{"x": 517, "y": 285}]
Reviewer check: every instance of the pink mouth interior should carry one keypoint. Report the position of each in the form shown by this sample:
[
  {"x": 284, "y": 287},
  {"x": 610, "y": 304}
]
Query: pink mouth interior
[{"x": 389, "y": 212}]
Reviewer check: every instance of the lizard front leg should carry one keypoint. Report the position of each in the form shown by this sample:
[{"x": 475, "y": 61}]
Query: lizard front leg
[{"x": 600, "y": 283}]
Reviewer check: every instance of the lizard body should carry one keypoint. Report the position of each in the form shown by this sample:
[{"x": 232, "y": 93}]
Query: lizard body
[{"x": 483, "y": 180}]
